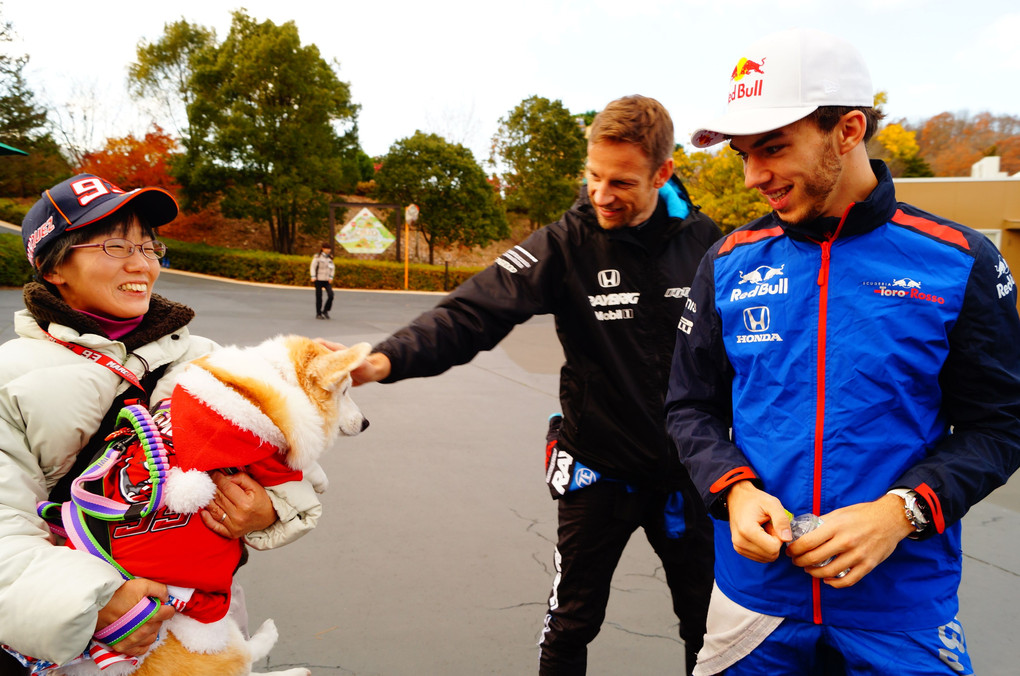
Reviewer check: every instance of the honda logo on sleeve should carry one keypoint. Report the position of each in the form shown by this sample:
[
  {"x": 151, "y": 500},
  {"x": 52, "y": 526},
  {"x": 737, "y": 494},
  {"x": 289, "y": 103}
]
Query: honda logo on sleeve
[
  {"x": 609, "y": 278},
  {"x": 756, "y": 319}
]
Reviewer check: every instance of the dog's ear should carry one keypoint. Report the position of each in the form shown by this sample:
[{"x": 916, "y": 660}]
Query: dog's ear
[{"x": 331, "y": 368}]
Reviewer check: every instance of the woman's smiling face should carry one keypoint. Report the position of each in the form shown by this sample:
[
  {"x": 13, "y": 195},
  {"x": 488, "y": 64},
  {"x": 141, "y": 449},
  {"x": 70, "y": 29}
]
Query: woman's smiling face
[{"x": 92, "y": 281}]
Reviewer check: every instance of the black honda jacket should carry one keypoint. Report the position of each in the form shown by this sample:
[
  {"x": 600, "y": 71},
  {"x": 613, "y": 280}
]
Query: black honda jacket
[{"x": 617, "y": 297}]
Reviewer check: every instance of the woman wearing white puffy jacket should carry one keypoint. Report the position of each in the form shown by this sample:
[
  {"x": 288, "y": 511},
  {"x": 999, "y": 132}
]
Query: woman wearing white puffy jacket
[{"x": 92, "y": 335}]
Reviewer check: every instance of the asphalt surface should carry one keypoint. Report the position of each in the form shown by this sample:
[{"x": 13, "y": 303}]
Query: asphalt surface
[{"x": 434, "y": 552}]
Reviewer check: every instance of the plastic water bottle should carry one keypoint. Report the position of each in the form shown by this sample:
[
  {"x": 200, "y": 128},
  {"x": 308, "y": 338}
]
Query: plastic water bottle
[{"x": 803, "y": 524}]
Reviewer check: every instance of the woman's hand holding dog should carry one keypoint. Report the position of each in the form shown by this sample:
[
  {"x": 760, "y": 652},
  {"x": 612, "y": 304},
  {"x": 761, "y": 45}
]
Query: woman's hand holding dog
[
  {"x": 241, "y": 505},
  {"x": 123, "y": 600}
]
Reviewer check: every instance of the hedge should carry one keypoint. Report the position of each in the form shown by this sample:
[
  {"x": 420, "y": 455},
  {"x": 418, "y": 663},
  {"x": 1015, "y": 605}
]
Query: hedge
[
  {"x": 12, "y": 212},
  {"x": 14, "y": 267},
  {"x": 262, "y": 266},
  {"x": 274, "y": 268}
]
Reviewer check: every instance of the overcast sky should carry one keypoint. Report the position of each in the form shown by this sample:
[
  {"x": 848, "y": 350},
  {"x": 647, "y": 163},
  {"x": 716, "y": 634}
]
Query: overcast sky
[{"x": 455, "y": 67}]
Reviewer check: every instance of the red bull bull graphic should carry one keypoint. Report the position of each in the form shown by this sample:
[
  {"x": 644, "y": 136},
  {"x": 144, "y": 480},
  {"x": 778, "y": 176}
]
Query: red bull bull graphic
[
  {"x": 742, "y": 90},
  {"x": 746, "y": 67}
]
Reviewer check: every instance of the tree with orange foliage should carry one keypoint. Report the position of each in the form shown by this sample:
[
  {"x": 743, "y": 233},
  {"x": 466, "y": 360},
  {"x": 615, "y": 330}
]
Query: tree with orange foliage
[
  {"x": 952, "y": 143},
  {"x": 1009, "y": 151},
  {"x": 130, "y": 162}
]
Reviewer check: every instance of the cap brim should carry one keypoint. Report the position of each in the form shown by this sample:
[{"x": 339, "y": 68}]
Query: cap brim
[
  {"x": 747, "y": 122},
  {"x": 157, "y": 205}
]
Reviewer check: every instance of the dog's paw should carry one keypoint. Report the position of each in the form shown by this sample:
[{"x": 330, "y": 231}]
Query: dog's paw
[
  {"x": 317, "y": 477},
  {"x": 263, "y": 640}
]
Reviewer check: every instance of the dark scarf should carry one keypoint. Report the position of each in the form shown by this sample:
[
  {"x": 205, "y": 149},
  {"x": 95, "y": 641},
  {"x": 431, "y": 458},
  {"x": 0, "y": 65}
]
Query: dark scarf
[{"x": 164, "y": 316}]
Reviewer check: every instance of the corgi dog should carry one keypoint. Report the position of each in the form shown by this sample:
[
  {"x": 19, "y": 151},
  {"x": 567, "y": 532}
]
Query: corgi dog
[{"x": 270, "y": 410}]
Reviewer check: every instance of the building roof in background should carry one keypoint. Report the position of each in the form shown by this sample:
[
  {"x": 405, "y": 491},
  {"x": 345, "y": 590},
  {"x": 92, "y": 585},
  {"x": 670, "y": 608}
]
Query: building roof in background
[{"x": 9, "y": 150}]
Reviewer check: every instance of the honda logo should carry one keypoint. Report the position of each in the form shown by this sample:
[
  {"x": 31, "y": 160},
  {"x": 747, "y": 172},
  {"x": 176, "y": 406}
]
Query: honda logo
[
  {"x": 609, "y": 278},
  {"x": 756, "y": 319}
]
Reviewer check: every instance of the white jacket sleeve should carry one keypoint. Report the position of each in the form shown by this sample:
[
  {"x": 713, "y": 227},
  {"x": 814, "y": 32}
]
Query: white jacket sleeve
[
  {"x": 298, "y": 509},
  {"x": 50, "y": 596}
]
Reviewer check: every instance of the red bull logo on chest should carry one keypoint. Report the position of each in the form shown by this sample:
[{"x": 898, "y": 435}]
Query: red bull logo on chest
[{"x": 743, "y": 90}]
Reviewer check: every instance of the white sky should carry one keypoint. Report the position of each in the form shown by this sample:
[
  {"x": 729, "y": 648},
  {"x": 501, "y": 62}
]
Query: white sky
[{"x": 455, "y": 67}]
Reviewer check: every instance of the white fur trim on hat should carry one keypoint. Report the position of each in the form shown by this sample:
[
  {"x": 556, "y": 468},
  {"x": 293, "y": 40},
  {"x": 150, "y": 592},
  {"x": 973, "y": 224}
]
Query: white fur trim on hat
[
  {"x": 297, "y": 428},
  {"x": 229, "y": 404}
]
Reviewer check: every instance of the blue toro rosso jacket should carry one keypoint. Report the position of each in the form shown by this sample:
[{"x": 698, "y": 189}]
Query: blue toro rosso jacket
[{"x": 850, "y": 356}]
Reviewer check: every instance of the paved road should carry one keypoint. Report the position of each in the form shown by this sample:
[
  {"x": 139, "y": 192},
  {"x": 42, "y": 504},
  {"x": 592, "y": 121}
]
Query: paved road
[{"x": 434, "y": 552}]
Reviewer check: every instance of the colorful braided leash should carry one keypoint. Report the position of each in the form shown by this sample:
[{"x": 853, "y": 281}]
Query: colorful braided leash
[{"x": 69, "y": 519}]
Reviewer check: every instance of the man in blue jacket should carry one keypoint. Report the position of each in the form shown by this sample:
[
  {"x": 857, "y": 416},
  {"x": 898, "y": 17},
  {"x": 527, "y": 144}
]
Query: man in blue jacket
[{"x": 849, "y": 356}]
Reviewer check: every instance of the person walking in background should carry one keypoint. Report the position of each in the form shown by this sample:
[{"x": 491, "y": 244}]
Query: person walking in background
[
  {"x": 847, "y": 356},
  {"x": 322, "y": 270},
  {"x": 614, "y": 271}
]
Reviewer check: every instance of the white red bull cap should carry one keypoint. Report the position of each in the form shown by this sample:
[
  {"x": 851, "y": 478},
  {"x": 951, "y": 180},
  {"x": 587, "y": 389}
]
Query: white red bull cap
[{"x": 783, "y": 78}]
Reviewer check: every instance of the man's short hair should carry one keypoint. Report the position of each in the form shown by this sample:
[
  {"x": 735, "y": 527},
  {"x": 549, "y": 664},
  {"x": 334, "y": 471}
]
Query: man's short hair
[
  {"x": 826, "y": 118},
  {"x": 636, "y": 119}
]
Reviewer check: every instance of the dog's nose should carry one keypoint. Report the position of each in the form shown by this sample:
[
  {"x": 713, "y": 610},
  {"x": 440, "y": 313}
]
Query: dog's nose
[{"x": 364, "y": 424}]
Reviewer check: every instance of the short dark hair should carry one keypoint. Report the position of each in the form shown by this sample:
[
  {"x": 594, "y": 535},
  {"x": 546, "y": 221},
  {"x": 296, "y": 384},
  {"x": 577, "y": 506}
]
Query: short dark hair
[
  {"x": 827, "y": 117},
  {"x": 114, "y": 225}
]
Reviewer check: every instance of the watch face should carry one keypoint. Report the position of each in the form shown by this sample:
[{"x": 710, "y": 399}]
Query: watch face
[{"x": 914, "y": 512}]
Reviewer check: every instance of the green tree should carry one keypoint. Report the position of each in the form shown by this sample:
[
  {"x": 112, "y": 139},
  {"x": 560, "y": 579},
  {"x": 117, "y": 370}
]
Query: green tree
[
  {"x": 716, "y": 183},
  {"x": 24, "y": 125},
  {"x": 266, "y": 123},
  {"x": 542, "y": 145},
  {"x": 164, "y": 68},
  {"x": 456, "y": 202}
]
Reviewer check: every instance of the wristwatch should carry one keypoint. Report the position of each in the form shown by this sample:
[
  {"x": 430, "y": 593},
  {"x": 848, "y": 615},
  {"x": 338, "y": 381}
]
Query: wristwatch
[{"x": 912, "y": 508}]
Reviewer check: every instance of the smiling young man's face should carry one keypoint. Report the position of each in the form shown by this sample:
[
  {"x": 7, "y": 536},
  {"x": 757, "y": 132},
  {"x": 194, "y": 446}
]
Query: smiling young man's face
[
  {"x": 623, "y": 186},
  {"x": 797, "y": 169}
]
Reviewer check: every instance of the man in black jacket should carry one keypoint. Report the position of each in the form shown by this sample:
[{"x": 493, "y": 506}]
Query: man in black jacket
[{"x": 615, "y": 271}]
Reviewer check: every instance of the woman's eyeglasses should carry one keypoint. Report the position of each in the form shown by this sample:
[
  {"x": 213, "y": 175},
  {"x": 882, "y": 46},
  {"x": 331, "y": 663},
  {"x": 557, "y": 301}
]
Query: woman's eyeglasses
[{"x": 124, "y": 248}]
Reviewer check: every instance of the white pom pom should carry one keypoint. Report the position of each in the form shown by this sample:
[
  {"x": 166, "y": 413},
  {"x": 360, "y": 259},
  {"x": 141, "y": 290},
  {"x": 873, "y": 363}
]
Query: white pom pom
[{"x": 188, "y": 492}]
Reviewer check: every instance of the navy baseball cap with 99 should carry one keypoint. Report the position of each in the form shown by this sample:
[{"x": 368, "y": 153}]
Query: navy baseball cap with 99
[{"x": 85, "y": 199}]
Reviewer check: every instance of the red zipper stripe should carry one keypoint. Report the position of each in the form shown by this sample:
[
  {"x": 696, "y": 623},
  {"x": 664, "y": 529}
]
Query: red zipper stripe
[
  {"x": 823, "y": 313},
  {"x": 816, "y": 501}
]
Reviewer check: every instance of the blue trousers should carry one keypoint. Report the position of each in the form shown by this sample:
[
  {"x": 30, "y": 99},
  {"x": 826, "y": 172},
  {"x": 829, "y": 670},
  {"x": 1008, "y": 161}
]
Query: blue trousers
[{"x": 798, "y": 648}]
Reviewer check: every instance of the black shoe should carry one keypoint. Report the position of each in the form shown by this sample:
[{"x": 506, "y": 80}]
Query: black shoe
[
  {"x": 325, "y": 315},
  {"x": 319, "y": 315}
]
